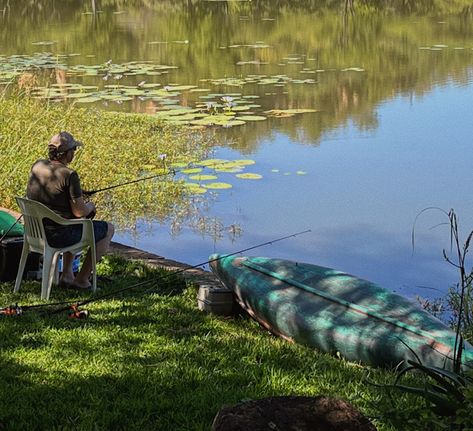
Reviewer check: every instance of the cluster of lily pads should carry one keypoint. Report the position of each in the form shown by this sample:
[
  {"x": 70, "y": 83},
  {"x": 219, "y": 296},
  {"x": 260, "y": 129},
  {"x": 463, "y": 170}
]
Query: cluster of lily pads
[
  {"x": 225, "y": 110},
  {"x": 201, "y": 176},
  {"x": 275, "y": 80},
  {"x": 14, "y": 65},
  {"x": 110, "y": 93},
  {"x": 213, "y": 109}
]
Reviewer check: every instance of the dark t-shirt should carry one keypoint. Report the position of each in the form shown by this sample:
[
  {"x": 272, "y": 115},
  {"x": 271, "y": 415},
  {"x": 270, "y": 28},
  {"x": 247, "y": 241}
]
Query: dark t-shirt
[{"x": 54, "y": 185}]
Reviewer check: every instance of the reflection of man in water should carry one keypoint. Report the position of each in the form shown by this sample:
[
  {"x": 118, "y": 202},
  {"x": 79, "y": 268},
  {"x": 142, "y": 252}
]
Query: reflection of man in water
[{"x": 57, "y": 186}]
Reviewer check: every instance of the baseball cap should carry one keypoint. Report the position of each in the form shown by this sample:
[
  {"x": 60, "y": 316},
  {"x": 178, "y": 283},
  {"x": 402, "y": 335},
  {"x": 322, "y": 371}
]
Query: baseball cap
[{"x": 63, "y": 142}]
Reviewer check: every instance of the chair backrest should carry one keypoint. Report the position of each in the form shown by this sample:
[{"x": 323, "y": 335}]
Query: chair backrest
[{"x": 33, "y": 214}]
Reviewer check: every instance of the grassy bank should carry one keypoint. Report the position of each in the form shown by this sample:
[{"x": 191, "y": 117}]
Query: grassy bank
[
  {"x": 155, "y": 362},
  {"x": 117, "y": 148}
]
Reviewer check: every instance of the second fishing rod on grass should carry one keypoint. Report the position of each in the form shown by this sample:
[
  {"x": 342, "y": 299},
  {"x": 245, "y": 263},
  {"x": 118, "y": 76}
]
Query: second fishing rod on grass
[{"x": 73, "y": 308}]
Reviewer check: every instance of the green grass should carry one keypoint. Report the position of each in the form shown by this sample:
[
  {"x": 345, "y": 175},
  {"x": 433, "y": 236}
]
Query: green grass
[
  {"x": 116, "y": 148},
  {"x": 155, "y": 362}
]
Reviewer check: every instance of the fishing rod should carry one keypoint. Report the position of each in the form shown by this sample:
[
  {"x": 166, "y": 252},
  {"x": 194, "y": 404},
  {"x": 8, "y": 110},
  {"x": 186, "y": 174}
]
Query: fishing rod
[
  {"x": 92, "y": 192},
  {"x": 179, "y": 271},
  {"x": 171, "y": 171},
  {"x": 73, "y": 307}
]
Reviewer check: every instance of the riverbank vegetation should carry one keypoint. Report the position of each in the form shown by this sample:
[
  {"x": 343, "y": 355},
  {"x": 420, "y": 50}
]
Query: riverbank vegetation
[
  {"x": 152, "y": 360},
  {"x": 118, "y": 147}
]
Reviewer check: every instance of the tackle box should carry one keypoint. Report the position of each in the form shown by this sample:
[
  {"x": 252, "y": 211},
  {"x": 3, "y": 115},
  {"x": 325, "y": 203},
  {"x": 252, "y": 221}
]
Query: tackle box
[
  {"x": 215, "y": 299},
  {"x": 10, "y": 255}
]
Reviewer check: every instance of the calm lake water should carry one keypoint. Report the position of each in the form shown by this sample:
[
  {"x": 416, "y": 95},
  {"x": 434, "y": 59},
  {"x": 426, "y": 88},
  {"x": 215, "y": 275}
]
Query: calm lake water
[{"x": 393, "y": 135}]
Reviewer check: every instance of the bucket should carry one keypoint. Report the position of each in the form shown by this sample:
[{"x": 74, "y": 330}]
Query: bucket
[
  {"x": 215, "y": 300},
  {"x": 75, "y": 263}
]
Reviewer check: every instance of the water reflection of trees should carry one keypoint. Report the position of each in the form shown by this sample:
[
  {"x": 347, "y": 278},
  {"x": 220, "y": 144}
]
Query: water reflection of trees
[
  {"x": 387, "y": 47},
  {"x": 256, "y": 6}
]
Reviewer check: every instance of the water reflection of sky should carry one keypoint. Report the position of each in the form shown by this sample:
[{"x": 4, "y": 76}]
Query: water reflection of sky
[{"x": 360, "y": 196}]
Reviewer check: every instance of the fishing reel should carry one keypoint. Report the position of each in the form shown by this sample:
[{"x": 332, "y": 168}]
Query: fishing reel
[
  {"x": 75, "y": 313},
  {"x": 12, "y": 310}
]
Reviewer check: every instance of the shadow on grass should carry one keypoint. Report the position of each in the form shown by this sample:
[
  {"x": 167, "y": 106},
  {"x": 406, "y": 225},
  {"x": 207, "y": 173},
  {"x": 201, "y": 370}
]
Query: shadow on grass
[{"x": 147, "y": 362}]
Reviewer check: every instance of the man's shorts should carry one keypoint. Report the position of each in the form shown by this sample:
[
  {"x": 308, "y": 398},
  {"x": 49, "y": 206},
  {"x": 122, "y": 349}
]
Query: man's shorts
[{"x": 63, "y": 236}]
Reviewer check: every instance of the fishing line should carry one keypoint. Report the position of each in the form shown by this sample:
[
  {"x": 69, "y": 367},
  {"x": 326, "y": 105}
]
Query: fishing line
[
  {"x": 92, "y": 192},
  {"x": 68, "y": 305},
  {"x": 150, "y": 177},
  {"x": 179, "y": 271}
]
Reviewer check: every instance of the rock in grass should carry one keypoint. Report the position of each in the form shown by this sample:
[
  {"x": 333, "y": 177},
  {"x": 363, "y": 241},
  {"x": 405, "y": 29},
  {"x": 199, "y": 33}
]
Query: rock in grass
[{"x": 292, "y": 414}]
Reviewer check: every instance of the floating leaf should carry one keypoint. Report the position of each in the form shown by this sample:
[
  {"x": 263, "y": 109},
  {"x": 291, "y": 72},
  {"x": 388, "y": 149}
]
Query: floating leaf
[
  {"x": 232, "y": 123},
  {"x": 181, "y": 87},
  {"x": 195, "y": 188},
  {"x": 301, "y": 172},
  {"x": 243, "y": 162},
  {"x": 288, "y": 112},
  {"x": 229, "y": 170},
  {"x": 212, "y": 162},
  {"x": 191, "y": 170},
  {"x": 203, "y": 177},
  {"x": 251, "y": 118},
  {"x": 249, "y": 176},
  {"x": 217, "y": 186},
  {"x": 275, "y": 170}
]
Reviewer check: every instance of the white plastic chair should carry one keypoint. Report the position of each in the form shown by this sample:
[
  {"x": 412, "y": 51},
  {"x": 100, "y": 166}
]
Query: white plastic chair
[{"x": 35, "y": 241}]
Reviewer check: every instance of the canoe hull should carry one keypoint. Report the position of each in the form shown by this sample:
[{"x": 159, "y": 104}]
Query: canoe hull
[{"x": 337, "y": 313}]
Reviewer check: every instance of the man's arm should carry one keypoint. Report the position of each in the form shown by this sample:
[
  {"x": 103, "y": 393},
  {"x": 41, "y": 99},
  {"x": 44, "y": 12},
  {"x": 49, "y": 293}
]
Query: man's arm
[{"x": 80, "y": 208}]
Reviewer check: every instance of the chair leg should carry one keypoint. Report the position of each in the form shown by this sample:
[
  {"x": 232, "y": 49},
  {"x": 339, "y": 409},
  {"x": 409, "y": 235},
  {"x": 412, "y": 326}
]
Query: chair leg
[
  {"x": 21, "y": 268},
  {"x": 49, "y": 269},
  {"x": 93, "y": 256}
]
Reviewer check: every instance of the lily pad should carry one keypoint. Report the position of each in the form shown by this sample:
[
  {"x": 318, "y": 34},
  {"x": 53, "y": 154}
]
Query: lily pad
[
  {"x": 249, "y": 176},
  {"x": 230, "y": 170},
  {"x": 203, "y": 177},
  {"x": 241, "y": 108},
  {"x": 181, "y": 87},
  {"x": 251, "y": 118},
  {"x": 243, "y": 162},
  {"x": 288, "y": 112},
  {"x": 191, "y": 171},
  {"x": 217, "y": 186},
  {"x": 195, "y": 188},
  {"x": 232, "y": 123},
  {"x": 212, "y": 162}
]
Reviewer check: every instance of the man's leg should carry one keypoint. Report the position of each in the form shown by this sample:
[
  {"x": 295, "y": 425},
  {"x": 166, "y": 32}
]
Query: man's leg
[
  {"x": 67, "y": 275},
  {"x": 82, "y": 278}
]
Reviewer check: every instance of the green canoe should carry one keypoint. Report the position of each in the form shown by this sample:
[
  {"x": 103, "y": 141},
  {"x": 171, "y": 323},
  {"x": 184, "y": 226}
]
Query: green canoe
[{"x": 337, "y": 312}]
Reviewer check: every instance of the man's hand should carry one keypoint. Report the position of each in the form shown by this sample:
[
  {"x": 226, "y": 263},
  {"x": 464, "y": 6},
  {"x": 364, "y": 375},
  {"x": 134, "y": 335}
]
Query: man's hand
[
  {"x": 93, "y": 210},
  {"x": 81, "y": 209}
]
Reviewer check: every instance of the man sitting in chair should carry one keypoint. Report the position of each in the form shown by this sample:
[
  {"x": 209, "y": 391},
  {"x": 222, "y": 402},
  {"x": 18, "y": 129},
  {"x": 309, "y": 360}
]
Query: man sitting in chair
[{"x": 57, "y": 186}]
